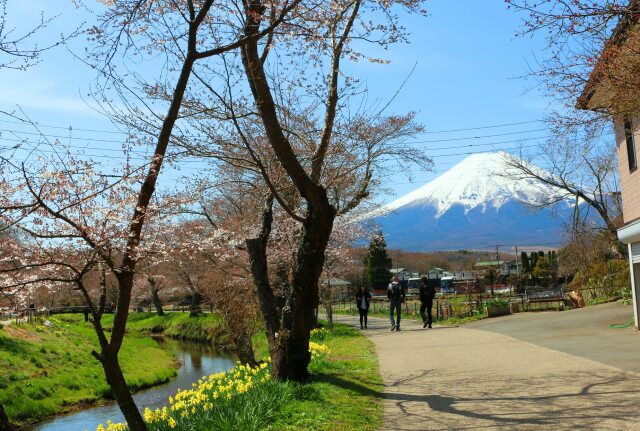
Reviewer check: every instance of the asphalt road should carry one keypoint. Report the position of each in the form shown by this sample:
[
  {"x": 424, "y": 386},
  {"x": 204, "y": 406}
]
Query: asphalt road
[{"x": 529, "y": 371}]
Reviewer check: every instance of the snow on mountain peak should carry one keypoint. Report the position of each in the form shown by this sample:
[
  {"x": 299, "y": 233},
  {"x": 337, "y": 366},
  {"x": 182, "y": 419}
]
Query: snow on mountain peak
[{"x": 480, "y": 180}]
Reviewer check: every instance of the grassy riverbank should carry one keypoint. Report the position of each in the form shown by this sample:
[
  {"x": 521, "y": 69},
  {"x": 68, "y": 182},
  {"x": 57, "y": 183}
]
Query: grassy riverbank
[
  {"x": 344, "y": 392},
  {"x": 50, "y": 370},
  {"x": 206, "y": 327}
]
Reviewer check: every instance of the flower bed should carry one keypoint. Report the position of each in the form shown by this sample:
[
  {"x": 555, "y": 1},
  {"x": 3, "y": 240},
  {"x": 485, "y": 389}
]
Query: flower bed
[{"x": 242, "y": 398}]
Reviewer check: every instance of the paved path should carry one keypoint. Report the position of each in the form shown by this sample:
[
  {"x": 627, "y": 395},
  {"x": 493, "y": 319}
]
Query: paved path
[{"x": 533, "y": 371}]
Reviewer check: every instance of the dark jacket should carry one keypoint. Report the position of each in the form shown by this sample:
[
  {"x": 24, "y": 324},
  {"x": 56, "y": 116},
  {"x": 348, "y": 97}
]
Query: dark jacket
[
  {"x": 427, "y": 292},
  {"x": 395, "y": 294},
  {"x": 359, "y": 295}
]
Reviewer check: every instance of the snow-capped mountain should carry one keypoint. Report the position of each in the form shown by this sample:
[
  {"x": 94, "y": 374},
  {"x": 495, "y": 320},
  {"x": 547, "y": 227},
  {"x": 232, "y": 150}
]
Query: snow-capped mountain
[{"x": 479, "y": 202}]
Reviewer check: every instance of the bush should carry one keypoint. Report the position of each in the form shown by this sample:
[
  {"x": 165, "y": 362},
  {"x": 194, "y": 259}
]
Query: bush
[{"x": 497, "y": 303}]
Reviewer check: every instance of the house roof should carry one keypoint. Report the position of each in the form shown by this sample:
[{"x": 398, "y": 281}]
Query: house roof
[
  {"x": 336, "y": 282},
  {"x": 618, "y": 37},
  {"x": 489, "y": 263}
]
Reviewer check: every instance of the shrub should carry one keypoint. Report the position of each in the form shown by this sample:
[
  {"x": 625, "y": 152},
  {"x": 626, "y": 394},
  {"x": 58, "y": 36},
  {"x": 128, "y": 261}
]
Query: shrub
[{"x": 497, "y": 303}]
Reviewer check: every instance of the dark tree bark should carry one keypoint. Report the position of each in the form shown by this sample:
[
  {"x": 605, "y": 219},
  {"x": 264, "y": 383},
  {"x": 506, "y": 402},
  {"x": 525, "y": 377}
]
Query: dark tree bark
[
  {"x": 244, "y": 348},
  {"x": 288, "y": 328},
  {"x": 194, "y": 305},
  {"x": 289, "y": 335},
  {"x": 156, "y": 302},
  {"x": 5, "y": 425},
  {"x": 121, "y": 392},
  {"x": 155, "y": 297}
]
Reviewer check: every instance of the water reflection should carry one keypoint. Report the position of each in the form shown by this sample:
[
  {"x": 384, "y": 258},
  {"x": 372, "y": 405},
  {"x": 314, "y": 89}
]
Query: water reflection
[{"x": 197, "y": 360}]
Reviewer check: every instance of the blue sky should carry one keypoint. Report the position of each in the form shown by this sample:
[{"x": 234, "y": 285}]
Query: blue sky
[{"x": 468, "y": 63}]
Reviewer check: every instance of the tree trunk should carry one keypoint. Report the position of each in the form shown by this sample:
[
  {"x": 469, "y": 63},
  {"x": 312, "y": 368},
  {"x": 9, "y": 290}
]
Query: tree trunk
[
  {"x": 194, "y": 305},
  {"x": 118, "y": 384},
  {"x": 289, "y": 342},
  {"x": 329, "y": 310},
  {"x": 156, "y": 302},
  {"x": 5, "y": 425},
  {"x": 298, "y": 313},
  {"x": 244, "y": 349}
]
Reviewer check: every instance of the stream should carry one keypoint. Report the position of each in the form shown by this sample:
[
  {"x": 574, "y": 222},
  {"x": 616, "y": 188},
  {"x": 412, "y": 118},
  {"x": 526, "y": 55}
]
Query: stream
[{"x": 197, "y": 360}]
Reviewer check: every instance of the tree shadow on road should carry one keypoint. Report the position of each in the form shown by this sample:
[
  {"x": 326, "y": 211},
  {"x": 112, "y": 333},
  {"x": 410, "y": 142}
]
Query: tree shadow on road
[
  {"x": 349, "y": 385},
  {"x": 604, "y": 401}
]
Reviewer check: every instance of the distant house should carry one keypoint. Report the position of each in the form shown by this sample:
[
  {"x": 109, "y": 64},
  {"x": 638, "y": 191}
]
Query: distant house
[
  {"x": 511, "y": 267},
  {"x": 343, "y": 288},
  {"x": 619, "y": 54},
  {"x": 495, "y": 264},
  {"x": 403, "y": 274}
]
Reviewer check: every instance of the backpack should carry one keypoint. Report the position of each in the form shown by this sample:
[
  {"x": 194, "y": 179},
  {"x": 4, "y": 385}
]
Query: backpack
[{"x": 396, "y": 290}]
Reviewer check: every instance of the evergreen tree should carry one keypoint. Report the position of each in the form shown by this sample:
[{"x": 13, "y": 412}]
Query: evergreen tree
[
  {"x": 377, "y": 263},
  {"x": 553, "y": 260},
  {"x": 542, "y": 270},
  {"x": 533, "y": 260},
  {"x": 526, "y": 267}
]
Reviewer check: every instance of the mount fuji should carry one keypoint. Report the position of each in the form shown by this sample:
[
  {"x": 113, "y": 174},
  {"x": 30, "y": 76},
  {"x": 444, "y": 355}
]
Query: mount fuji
[{"x": 479, "y": 202}]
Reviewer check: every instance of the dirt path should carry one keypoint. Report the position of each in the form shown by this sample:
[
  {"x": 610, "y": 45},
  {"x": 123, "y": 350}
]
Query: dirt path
[{"x": 468, "y": 378}]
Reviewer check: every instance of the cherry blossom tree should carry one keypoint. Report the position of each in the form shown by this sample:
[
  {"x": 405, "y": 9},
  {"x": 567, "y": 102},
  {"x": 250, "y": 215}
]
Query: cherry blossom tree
[
  {"x": 588, "y": 43},
  {"x": 69, "y": 201},
  {"x": 20, "y": 47}
]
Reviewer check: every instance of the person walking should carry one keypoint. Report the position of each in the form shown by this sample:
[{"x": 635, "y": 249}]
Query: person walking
[
  {"x": 363, "y": 299},
  {"x": 427, "y": 293},
  {"x": 396, "y": 298}
]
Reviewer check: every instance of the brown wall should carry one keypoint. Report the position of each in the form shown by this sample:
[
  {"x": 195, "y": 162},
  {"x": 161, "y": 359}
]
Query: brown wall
[{"x": 629, "y": 181}]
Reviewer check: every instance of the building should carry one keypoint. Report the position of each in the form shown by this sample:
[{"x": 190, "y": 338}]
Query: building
[
  {"x": 495, "y": 264},
  {"x": 619, "y": 54},
  {"x": 342, "y": 289},
  {"x": 511, "y": 267}
]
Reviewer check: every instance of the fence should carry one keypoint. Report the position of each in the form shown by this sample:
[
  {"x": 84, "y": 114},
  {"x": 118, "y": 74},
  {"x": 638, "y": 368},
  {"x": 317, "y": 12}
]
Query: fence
[{"x": 442, "y": 308}]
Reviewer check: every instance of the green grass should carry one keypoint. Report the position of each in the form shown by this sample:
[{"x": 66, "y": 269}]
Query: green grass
[
  {"x": 205, "y": 327},
  {"x": 345, "y": 391},
  {"x": 50, "y": 370}
]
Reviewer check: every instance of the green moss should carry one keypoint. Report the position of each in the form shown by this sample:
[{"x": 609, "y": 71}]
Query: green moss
[{"x": 49, "y": 370}]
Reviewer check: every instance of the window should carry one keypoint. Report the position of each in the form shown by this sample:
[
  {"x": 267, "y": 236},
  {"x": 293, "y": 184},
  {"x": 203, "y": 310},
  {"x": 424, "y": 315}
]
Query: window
[{"x": 631, "y": 145}]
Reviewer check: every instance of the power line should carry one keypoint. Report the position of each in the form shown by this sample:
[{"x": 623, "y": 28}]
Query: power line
[
  {"x": 495, "y": 126},
  {"x": 82, "y": 138},
  {"x": 484, "y": 144},
  {"x": 52, "y": 126},
  {"x": 479, "y": 136},
  {"x": 61, "y": 137},
  {"x": 70, "y": 128}
]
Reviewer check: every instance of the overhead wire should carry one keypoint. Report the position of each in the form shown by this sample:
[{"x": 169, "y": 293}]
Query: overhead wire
[{"x": 51, "y": 126}]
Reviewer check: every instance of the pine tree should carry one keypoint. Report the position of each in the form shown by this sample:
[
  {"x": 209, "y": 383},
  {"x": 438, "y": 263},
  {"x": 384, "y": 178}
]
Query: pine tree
[
  {"x": 377, "y": 263},
  {"x": 553, "y": 260},
  {"x": 526, "y": 267},
  {"x": 533, "y": 260}
]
